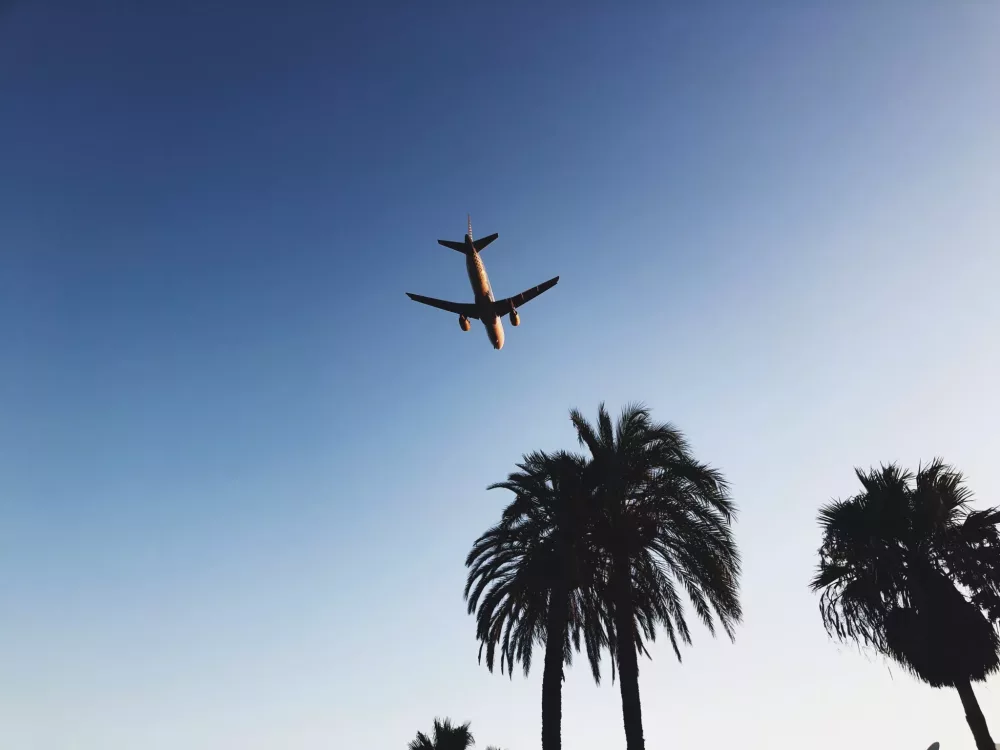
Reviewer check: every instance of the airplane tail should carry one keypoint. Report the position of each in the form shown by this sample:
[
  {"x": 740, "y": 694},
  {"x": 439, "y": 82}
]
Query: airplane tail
[
  {"x": 477, "y": 244},
  {"x": 482, "y": 241}
]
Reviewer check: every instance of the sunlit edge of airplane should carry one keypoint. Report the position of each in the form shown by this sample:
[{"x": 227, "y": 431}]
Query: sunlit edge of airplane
[{"x": 485, "y": 308}]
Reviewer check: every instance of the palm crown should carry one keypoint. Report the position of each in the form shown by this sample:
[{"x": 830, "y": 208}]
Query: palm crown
[
  {"x": 671, "y": 516},
  {"x": 893, "y": 553},
  {"x": 539, "y": 545},
  {"x": 890, "y": 565},
  {"x": 446, "y": 736}
]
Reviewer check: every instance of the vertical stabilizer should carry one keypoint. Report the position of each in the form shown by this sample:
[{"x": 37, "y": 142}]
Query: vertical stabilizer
[{"x": 470, "y": 225}]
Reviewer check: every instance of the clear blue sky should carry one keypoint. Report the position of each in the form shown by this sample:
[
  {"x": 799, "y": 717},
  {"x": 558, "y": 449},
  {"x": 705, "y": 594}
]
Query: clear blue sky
[{"x": 240, "y": 470}]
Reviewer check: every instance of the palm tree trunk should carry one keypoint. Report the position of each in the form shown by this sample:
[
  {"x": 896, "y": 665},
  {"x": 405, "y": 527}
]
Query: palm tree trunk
[
  {"x": 974, "y": 715},
  {"x": 628, "y": 662},
  {"x": 552, "y": 677}
]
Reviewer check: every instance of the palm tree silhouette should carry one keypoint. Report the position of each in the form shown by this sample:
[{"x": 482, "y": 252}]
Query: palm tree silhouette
[
  {"x": 664, "y": 525},
  {"x": 890, "y": 564},
  {"x": 531, "y": 577},
  {"x": 446, "y": 737}
]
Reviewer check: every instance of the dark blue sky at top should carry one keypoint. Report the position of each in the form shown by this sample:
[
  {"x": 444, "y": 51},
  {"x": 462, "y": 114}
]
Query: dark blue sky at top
[
  {"x": 211, "y": 211},
  {"x": 238, "y": 459}
]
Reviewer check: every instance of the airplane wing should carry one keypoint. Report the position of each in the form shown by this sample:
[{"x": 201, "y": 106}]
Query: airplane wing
[
  {"x": 459, "y": 308},
  {"x": 504, "y": 306}
]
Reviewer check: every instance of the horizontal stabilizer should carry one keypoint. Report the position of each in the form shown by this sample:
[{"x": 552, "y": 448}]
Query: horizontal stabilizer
[
  {"x": 460, "y": 246},
  {"x": 459, "y": 308},
  {"x": 484, "y": 241},
  {"x": 504, "y": 306}
]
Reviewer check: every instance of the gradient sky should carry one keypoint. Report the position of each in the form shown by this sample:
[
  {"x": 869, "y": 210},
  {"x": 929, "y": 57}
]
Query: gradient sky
[{"x": 240, "y": 470}]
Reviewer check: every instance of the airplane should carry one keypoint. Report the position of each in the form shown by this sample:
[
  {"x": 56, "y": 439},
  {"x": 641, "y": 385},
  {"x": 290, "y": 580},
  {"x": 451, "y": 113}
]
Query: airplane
[{"x": 485, "y": 308}]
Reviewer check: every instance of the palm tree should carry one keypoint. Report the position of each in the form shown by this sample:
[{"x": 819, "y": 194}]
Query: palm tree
[
  {"x": 530, "y": 577},
  {"x": 890, "y": 565},
  {"x": 446, "y": 737},
  {"x": 664, "y": 526}
]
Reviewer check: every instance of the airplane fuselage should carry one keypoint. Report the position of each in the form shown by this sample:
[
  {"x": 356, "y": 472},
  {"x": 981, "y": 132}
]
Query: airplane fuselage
[{"x": 483, "y": 294}]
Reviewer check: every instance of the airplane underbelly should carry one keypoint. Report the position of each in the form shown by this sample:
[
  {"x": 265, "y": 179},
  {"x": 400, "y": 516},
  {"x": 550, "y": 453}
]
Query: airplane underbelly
[
  {"x": 494, "y": 330},
  {"x": 478, "y": 278}
]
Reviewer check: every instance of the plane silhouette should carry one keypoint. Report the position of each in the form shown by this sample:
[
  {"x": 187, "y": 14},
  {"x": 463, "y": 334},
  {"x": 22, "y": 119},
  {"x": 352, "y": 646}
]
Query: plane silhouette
[{"x": 485, "y": 308}]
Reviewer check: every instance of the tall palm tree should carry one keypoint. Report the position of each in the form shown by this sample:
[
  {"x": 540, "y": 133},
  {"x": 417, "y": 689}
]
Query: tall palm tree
[
  {"x": 530, "y": 577},
  {"x": 665, "y": 526},
  {"x": 446, "y": 736},
  {"x": 890, "y": 565}
]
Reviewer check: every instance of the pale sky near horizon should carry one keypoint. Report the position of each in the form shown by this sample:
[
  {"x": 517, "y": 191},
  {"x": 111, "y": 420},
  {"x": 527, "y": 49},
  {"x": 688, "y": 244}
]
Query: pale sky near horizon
[{"x": 240, "y": 471}]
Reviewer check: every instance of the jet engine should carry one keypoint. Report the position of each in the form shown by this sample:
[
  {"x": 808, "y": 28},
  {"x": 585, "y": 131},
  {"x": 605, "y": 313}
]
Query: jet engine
[
  {"x": 515, "y": 319},
  {"x": 464, "y": 323}
]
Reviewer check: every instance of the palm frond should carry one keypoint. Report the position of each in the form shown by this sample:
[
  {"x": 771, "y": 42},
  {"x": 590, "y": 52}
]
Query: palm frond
[
  {"x": 672, "y": 516},
  {"x": 890, "y": 563},
  {"x": 541, "y": 544}
]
